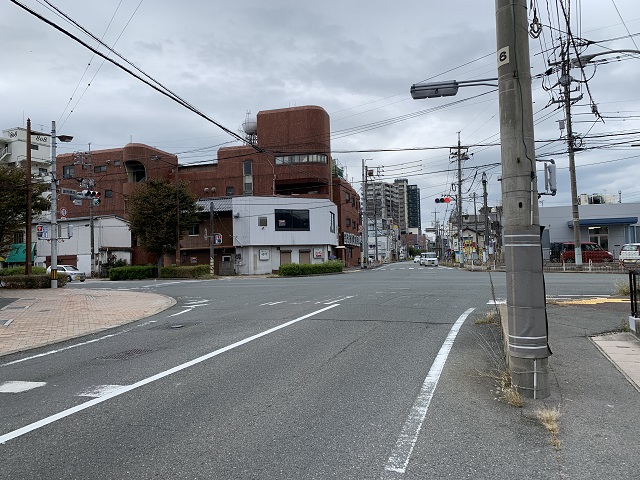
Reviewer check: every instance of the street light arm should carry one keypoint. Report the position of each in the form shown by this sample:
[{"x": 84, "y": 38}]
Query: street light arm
[{"x": 448, "y": 88}]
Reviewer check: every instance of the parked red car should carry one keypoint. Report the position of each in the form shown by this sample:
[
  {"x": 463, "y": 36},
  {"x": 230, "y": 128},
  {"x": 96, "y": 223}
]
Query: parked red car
[{"x": 590, "y": 251}]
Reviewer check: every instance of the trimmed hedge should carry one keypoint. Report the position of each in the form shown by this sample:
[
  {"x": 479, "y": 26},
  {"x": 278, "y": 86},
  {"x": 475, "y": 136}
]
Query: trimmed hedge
[
  {"x": 296, "y": 269},
  {"x": 16, "y": 282},
  {"x": 133, "y": 273},
  {"x": 20, "y": 271},
  {"x": 151, "y": 271},
  {"x": 191, "y": 271}
]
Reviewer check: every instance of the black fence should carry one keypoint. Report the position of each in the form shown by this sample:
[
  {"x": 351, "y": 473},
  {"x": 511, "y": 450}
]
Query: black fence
[{"x": 633, "y": 292}]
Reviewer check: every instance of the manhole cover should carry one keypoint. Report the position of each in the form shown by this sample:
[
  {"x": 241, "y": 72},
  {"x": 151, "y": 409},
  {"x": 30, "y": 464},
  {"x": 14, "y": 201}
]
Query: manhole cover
[{"x": 136, "y": 352}]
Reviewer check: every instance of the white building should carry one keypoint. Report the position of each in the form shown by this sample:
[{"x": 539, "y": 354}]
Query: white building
[
  {"x": 272, "y": 231},
  {"x": 111, "y": 238}
]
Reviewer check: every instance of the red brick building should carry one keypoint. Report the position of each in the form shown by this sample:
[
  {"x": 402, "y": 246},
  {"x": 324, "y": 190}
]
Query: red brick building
[{"x": 288, "y": 154}]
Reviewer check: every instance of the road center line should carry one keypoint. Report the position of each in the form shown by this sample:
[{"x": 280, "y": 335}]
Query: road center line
[
  {"x": 401, "y": 453},
  {"x": 158, "y": 376}
]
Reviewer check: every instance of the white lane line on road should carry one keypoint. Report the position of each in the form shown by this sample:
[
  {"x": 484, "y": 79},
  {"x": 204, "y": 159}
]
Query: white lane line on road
[
  {"x": 180, "y": 313},
  {"x": 58, "y": 350},
  {"x": 339, "y": 300},
  {"x": 401, "y": 453},
  {"x": 158, "y": 376},
  {"x": 19, "y": 387},
  {"x": 271, "y": 303}
]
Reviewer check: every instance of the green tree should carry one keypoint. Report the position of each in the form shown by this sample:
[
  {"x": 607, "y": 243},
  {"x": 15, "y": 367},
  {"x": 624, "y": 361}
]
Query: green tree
[
  {"x": 153, "y": 215},
  {"x": 13, "y": 203}
]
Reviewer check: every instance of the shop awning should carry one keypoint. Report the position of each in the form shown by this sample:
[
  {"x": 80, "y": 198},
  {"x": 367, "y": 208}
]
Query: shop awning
[
  {"x": 599, "y": 222},
  {"x": 18, "y": 253}
]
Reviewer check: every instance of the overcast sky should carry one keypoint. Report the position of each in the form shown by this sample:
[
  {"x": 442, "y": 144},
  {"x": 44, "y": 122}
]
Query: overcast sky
[{"x": 357, "y": 59}]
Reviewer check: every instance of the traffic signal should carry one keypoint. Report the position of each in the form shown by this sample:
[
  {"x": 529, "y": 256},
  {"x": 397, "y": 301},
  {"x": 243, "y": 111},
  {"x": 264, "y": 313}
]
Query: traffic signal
[
  {"x": 93, "y": 194},
  {"x": 446, "y": 199},
  {"x": 40, "y": 231},
  {"x": 217, "y": 238}
]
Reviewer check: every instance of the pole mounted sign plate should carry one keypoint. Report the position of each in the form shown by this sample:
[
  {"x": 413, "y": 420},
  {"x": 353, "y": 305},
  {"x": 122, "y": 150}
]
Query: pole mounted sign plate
[{"x": 503, "y": 56}]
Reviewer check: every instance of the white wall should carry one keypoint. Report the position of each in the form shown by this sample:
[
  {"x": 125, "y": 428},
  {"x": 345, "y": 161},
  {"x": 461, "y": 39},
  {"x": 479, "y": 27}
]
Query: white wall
[
  {"x": 260, "y": 246},
  {"x": 109, "y": 232}
]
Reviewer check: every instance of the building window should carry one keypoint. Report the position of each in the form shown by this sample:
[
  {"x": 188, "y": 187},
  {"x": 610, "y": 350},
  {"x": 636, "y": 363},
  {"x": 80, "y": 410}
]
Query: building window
[
  {"x": 100, "y": 168},
  {"x": 347, "y": 197},
  {"x": 332, "y": 224},
  {"x": 348, "y": 222},
  {"x": 293, "y": 220},
  {"x": 304, "y": 158},
  {"x": 229, "y": 192},
  {"x": 68, "y": 171},
  {"x": 599, "y": 235},
  {"x": 18, "y": 237},
  {"x": 43, "y": 171},
  {"x": 108, "y": 193},
  {"x": 34, "y": 147},
  {"x": 194, "y": 230},
  {"x": 262, "y": 221},
  {"x": 247, "y": 174},
  {"x": 116, "y": 163}
]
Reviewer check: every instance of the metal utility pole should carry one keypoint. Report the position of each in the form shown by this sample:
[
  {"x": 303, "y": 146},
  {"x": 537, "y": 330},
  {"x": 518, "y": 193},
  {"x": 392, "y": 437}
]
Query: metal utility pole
[
  {"x": 91, "y": 221},
  {"x": 565, "y": 82},
  {"x": 27, "y": 233},
  {"x": 458, "y": 153},
  {"x": 528, "y": 349},
  {"x": 54, "y": 204}
]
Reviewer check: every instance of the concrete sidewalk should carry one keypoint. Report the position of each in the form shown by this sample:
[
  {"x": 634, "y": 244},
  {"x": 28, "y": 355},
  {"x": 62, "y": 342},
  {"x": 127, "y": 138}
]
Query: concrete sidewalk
[{"x": 35, "y": 318}]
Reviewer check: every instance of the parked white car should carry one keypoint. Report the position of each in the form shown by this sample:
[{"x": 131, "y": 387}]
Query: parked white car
[
  {"x": 429, "y": 259},
  {"x": 416, "y": 259},
  {"x": 630, "y": 255},
  {"x": 71, "y": 271}
]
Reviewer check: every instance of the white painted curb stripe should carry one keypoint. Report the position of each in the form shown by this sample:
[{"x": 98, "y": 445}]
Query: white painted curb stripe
[
  {"x": 127, "y": 388},
  {"x": 401, "y": 453}
]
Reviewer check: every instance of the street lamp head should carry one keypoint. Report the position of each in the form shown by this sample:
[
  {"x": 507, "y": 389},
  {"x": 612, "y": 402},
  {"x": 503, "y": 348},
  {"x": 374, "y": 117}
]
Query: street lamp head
[
  {"x": 433, "y": 90},
  {"x": 64, "y": 138}
]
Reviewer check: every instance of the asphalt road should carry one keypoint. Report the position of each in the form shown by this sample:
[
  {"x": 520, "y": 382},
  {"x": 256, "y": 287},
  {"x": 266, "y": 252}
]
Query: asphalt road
[{"x": 317, "y": 377}]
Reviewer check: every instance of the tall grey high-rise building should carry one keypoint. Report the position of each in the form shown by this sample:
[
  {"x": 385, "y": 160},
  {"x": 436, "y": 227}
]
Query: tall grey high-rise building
[{"x": 414, "y": 225}]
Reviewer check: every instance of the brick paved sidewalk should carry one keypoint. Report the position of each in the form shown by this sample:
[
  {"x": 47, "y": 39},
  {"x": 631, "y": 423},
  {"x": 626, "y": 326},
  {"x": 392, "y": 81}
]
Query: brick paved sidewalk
[{"x": 33, "y": 318}]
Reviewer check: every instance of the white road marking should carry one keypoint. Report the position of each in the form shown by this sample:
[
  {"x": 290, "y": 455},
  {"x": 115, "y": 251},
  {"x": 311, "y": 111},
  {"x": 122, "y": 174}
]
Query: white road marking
[
  {"x": 158, "y": 376},
  {"x": 270, "y": 303},
  {"x": 58, "y": 350},
  {"x": 338, "y": 300},
  {"x": 497, "y": 301},
  {"x": 401, "y": 453},
  {"x": 100, "y": 391},
  {"x": 180, "y": 313},
  {"x": 18, "y": 387}
]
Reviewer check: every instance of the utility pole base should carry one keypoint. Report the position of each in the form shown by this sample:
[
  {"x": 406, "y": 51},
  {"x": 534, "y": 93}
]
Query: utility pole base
[{"x": 530, "y": 376}]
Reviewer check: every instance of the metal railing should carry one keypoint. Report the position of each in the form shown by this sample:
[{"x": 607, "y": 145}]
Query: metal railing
[{"x": 633, "y": 292}]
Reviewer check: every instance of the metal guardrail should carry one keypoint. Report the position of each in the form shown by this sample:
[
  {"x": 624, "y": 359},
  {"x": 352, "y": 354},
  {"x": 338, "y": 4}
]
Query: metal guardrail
[{"x": 634, "y": 293}]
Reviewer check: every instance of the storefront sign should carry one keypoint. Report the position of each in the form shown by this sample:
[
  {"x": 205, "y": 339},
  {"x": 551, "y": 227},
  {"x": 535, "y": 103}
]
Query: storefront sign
[{"x": 351, "y": 239}]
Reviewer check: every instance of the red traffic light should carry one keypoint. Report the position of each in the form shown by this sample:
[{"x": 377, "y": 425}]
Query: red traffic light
[{"x": 443, "y": 199}]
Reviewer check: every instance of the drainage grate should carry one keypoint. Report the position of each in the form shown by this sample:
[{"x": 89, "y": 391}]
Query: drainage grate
[{"x": 136, "y": 352}]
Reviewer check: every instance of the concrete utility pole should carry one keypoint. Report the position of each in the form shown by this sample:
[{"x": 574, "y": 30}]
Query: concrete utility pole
[
  {"x": 526, "y": 306},
  {"x": 461, "y": 154},
  {"x": 365, "y": 220},
  {"x": 486, "y": 215},
  {"x": 91, "y": 219},
  {"x": 211, "y": 241},
  {"x": 565, "y": 81}
]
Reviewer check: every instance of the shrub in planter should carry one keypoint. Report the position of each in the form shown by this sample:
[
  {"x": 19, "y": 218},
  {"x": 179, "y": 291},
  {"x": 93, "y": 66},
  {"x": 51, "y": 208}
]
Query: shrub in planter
[
  {"x": 133, "y": 273},
  {"x": 296, "y": 269}
]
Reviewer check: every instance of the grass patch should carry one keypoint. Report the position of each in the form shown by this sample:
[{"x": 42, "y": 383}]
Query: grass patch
[
  {"x": 621, "y": 288},
  {"x": 489, "y": 318},
  {"x": 507, "y": 392},
  {"x": 548, "y": 418}
]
